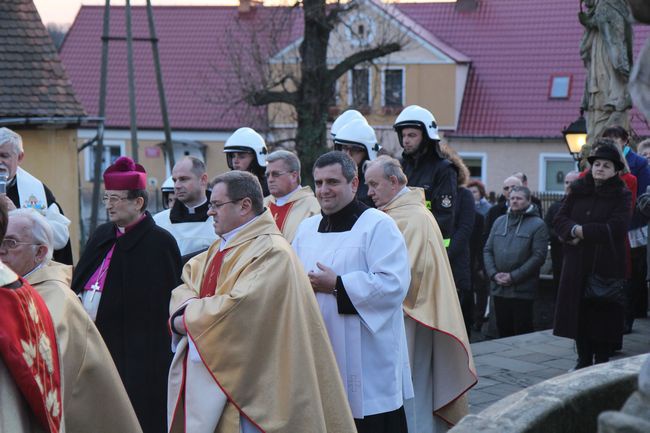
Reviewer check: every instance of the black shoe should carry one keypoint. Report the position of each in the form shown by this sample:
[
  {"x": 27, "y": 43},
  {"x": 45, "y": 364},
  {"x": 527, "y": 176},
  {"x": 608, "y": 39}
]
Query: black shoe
[{"x": 581, "y": 364}]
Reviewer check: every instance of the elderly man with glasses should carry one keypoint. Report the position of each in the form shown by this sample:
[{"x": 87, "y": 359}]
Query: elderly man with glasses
[
  {"x": 288, "y": 202},
  {"x": 23, "y": 190},
  {"x": 93, "y": 397},
  {"x": 124, "y": 278}
]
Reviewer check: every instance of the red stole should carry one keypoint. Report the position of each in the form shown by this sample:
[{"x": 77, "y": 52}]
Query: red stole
[
  {"x": 280, "y": 213},
  {"x": 29, "y": 349},
  {"x": 209, "y": 285}
]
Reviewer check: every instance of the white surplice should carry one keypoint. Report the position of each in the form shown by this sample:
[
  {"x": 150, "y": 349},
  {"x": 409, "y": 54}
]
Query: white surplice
[{"x": 370, "y": 347}]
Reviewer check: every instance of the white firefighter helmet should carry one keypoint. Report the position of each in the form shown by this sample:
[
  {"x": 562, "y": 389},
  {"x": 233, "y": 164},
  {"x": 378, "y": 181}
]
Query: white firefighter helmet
[
  {"x": 345, "y": 117},
  {"x": 167, "y": 185},
  {"x": 358, "y": 133},
  {"x": 415, "y": 116},
  {"x": 247, "y": 140}
]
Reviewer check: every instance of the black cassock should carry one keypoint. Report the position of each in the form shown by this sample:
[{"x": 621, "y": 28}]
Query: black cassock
[{"x": 134, "y": 309}]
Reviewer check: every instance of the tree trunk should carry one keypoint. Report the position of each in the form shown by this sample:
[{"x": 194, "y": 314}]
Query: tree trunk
[{"x": 311, "y": 106}]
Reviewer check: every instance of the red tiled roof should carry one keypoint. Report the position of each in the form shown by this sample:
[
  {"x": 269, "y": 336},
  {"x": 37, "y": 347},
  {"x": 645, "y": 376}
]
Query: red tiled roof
[
  {"x": 195, "y": 45},
  {"x": 33, "y": 82},
  {"x": 515, "y": 47}
]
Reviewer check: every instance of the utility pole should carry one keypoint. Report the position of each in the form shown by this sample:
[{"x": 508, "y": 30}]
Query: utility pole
[
  {"x": 169, "y": 150},
  {"x": 129, "y": 58},
  {"x": 99, "y": 148}
]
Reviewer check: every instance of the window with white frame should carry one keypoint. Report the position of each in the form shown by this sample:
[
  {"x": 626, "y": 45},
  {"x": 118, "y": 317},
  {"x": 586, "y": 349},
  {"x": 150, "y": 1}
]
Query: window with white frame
[
  {"x": 360, "y": 88},
  {"x": 112, "y": 150},
  {"x": 553, "y": 168},
  {"x": 393, "y": 87},
  {"x": 476, "y": 163}
]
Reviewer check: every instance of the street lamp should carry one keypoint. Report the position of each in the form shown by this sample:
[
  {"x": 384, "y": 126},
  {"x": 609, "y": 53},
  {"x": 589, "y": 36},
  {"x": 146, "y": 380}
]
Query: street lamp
[{"x": 575, "y": 136}]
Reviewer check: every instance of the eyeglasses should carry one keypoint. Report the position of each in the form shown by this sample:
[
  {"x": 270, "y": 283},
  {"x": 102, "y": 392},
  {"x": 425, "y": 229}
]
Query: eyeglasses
[
  {"x": 508, "y": 188},
  {"x": 215, "y": 206},
  {"x": 276, "y": 174},
  {"x": 112, "y": 199},
  {"x": 12, "y": 244}
]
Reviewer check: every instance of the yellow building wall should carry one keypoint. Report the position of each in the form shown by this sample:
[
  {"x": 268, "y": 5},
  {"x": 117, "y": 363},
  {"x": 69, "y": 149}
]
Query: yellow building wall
[
  {"x": 51, "y": 156},
  {"x": 434, "y": 88}
]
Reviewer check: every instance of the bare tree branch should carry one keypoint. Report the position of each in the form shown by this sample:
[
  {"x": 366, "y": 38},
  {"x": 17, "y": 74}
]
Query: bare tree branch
[
  {"x": 265, "y": 97},
  {"x": 359, "y": 57}
]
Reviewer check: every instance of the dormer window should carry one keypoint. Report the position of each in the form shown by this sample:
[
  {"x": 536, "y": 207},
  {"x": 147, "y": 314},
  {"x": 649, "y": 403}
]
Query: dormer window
[{"x": 560, "y": 86}]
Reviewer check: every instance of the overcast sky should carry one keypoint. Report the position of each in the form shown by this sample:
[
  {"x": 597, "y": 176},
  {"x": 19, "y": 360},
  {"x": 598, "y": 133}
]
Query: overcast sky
[{"x": 64, "y": 11}]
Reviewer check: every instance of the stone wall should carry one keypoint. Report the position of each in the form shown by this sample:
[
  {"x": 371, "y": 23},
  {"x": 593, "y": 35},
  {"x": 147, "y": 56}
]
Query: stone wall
[{"x": 569, "y": 403}]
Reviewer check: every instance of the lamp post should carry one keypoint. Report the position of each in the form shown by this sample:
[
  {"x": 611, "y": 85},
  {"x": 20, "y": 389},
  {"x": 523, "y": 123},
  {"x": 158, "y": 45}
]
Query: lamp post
[{"x": 575, "y": 136}]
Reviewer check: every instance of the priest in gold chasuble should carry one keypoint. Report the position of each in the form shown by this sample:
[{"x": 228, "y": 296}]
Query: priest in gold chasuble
[
  {"x": 288, "y": 202},
  {"x": 251, "y": 350},
  {"x": 441, "y": 359}
]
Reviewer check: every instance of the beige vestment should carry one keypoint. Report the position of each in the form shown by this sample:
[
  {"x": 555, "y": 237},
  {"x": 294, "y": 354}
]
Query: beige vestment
[
  {"x": 262, "y": 338},
  {"x": 94, "y": 399},
  {"x": 432, "y": 302},
  {"x": 303, "y": 205}
]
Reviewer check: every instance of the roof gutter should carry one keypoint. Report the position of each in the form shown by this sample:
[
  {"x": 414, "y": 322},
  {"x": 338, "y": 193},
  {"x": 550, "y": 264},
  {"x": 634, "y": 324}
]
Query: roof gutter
[{"x": 56, "y": 121}]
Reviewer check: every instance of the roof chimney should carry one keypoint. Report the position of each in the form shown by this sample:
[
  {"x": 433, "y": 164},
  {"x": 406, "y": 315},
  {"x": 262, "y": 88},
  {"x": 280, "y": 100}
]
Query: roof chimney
[
  {"x": 466, "y": 5},
  {"x": 247, "y": 6}
]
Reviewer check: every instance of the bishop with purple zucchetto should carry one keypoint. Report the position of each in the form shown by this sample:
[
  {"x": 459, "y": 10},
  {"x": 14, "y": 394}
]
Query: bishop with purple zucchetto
[{"x": 124, "y": 279}]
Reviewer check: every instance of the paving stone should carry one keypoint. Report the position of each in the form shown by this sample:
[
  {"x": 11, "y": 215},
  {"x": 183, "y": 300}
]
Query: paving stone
[
  {"x": 485, "y": 382},
  {"x": 478, "y": 397},
  {"x": 507, "y": 363},
  {"x": 490, "y": 346},
  {"x": 548, "y": 373},
  {"x": 561, "y": 364},
  {"x": 514, "y": 353},
  {"x": 535, "y": 357},
  {"x": 503, "y": 389},
  {"x": 510, "y": 364}
]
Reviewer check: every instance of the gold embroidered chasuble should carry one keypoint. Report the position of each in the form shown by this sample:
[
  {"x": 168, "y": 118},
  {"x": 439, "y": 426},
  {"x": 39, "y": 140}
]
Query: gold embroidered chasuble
[
  {"x": 432, "y": 302},
  {"x": 94, "y": 398},
  {"x": 303, "y": 205},
  {"x": 262, "y": 338}
]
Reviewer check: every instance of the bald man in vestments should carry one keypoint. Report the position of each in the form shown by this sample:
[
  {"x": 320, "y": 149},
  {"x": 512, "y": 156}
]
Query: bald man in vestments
[{"x": 439, "y": 350}]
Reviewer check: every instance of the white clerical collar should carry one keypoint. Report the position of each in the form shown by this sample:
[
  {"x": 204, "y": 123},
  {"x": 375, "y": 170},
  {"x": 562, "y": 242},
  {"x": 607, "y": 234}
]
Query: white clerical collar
[
  {"x": 227, "y": 236},
  {"x": 284, "y": 199},
  {"x": 399, "y": 194},
  {"x": 192, "y": 210},
  {"x": 39, "y": 266}
]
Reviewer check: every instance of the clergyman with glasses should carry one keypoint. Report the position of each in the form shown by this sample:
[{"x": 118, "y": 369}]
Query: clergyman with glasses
[
  {"x": 289, "y": 202},
  {"x": 124, "y": 278},
  {"x": 251, "y": 349}
]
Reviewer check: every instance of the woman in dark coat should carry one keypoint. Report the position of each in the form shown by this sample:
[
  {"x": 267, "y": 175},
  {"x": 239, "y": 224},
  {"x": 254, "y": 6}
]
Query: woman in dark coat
[{"x": 597, "y": 204}]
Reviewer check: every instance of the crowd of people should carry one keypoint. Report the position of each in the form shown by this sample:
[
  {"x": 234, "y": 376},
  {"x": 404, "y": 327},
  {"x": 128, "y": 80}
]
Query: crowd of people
[{"x": 253, "y": 303}]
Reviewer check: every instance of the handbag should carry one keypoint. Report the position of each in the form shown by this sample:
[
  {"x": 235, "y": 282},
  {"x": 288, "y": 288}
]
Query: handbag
[{"x": 604, "y": 289}]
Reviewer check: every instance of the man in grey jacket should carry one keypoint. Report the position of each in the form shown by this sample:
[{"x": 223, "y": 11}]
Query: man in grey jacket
[{"x": 513, "y": 255}]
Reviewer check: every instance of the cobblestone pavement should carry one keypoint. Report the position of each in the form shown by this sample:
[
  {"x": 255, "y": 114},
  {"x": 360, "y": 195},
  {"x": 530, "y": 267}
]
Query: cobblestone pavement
[{"x": 508, "y": 365}]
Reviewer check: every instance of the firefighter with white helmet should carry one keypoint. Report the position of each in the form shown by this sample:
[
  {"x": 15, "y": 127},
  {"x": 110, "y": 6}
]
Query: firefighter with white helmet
[
  {"x": 343, "y": 119},
  {"x": 426, "y": 165},
  {"x": 246, "y": 150},
  {"x": 358, "y": 139},
  {"x": 168, "y": 196}
]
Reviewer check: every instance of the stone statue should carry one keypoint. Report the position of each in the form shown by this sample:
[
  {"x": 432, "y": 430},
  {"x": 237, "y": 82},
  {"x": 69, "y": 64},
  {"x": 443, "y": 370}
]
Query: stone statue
[
  {"x": 634, "y": 417},
  {"x": 640, "y": 78},
  {"x": 606, "y": 50}
]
